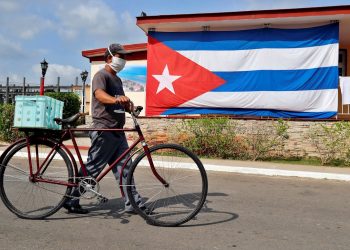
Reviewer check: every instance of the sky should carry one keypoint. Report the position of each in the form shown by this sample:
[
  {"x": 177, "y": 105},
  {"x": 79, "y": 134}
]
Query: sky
[{"x": 59, "y": 30}]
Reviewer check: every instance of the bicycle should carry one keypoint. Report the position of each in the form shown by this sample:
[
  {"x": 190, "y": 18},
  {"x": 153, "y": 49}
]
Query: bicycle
[{"x": 170, "y": 178}]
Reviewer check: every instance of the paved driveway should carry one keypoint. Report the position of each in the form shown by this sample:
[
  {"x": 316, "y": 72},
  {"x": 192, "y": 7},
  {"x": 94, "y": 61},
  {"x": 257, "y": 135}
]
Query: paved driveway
[{"x": 242, "y": 212}]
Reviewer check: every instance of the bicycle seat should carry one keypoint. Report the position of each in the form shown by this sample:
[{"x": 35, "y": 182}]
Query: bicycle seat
[{"x": 67, "y": 121}]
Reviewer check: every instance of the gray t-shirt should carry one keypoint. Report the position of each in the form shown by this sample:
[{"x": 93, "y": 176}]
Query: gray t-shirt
[{"x": 104, "y": 115}]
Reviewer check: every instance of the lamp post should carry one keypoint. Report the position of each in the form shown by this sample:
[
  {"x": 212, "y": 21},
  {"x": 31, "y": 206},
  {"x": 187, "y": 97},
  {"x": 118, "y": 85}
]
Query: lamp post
[
  {"x": 44, "y": 66},
  {"x": 84, "y": 76}
]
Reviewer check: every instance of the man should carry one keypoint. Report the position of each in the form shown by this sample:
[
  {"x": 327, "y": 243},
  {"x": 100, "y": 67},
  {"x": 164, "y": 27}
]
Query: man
[{"x": 108, "y": 103}]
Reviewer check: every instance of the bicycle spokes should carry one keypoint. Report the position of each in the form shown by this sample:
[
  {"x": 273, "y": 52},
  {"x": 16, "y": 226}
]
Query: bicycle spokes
[
  {"x": 39, "y": 194},
  {"x": 185, "y": 190}
]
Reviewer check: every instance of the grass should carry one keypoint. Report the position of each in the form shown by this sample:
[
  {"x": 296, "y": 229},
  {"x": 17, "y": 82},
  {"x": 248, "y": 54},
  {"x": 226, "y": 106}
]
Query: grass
[
  {"x": 298, "y": 161},
  {"x": 308, "y": 161}
]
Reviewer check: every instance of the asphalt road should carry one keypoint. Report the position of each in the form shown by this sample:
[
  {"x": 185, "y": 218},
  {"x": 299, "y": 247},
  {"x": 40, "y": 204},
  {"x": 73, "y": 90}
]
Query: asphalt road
[{"x": 242, "y": 212}]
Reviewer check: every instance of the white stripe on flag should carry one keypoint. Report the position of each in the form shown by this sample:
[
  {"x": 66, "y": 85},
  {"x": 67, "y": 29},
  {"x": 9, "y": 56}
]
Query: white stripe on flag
[
  {"x": 265, "y": 59},
  {"x": 299, "y": 101}
]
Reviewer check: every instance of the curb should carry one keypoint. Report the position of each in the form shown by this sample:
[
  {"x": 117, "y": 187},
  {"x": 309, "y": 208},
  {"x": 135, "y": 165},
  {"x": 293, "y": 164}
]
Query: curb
[{"x": 277, "y": 172}]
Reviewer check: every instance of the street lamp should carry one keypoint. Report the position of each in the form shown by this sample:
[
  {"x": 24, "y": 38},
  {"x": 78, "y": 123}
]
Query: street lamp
[
  {"x": 84, "y": 76},
  {"x": 44, "y": 66}
]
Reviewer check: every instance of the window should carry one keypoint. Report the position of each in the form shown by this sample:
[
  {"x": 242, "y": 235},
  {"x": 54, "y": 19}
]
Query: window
[
  {"x": 342, "y": 62},
  {"x": 343, "y": 110}
]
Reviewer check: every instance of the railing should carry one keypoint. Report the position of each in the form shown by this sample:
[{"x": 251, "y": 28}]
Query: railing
[{"x": 8, "y": 92}]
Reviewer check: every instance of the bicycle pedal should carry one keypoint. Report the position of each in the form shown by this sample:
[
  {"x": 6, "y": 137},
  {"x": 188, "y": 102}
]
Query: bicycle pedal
[{"x": 102, "y": 199}]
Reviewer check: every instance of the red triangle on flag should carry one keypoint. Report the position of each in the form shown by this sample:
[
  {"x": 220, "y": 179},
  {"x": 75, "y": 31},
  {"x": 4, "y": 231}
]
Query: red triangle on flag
[{"x": 173, "y": 79}]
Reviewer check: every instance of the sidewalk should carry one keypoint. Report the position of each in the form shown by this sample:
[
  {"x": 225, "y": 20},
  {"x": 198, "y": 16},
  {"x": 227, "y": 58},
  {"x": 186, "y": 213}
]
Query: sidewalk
[{"x": 245, "y": 167}]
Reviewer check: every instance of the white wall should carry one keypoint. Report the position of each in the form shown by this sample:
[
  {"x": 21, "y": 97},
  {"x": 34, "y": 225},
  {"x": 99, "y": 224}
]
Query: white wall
[{"x": 139, "y": 98}]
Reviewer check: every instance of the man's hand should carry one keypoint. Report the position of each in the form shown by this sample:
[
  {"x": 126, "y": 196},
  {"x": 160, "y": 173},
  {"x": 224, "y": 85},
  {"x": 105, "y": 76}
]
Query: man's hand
[
  {"x": 105, "y": 98},
  {"x": 125, "y": 102},
  {"x": 122, "y": 99}
]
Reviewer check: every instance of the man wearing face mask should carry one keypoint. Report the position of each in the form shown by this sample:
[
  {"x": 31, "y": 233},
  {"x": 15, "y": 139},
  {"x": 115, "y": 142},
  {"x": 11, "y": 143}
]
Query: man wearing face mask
[{"x": 108, "y": 102}]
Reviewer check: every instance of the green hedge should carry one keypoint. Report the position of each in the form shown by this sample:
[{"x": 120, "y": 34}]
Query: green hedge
[
  {"x": 6, "y": 121},
  {"x": 212, "y": 137},
  {"x": 222, "y": 138},
  {"x": 71, "y": 102},
  {"x": 71, "y": 107},
  {"x": 332, "y": 142}
]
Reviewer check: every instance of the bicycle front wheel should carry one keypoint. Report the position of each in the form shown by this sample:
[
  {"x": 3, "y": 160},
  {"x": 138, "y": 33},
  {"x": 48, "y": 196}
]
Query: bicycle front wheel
[
  {"x": 30, "y": 199},
  {"x": 182, "y": 195}
]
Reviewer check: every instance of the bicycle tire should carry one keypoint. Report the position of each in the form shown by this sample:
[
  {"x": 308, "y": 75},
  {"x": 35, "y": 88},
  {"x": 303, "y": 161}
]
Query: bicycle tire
[
  {"x": 34, "y": 200},
  {"x": 176, "y": 203}
]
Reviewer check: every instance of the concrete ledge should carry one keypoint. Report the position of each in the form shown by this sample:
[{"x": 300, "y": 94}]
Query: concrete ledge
[
  {"x": 256, "y": 168},
  {"x": 277, "y": 172}
]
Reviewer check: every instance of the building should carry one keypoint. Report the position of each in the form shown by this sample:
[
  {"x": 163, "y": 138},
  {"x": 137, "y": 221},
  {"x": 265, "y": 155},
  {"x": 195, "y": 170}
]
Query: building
[
  {"x": 227, "y": 21},
  {"x": 77, "y": 89},
  {"x": 138, "y": 57}
]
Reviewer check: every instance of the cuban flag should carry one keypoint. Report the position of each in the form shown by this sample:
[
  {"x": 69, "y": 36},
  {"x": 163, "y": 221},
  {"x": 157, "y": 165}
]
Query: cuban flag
[{"x": 260, "y": 72}]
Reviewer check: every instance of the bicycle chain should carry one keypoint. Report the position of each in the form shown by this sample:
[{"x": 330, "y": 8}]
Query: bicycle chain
[
  {"x": 64, "y": 195},
  {"x": 101, "y": 199}
]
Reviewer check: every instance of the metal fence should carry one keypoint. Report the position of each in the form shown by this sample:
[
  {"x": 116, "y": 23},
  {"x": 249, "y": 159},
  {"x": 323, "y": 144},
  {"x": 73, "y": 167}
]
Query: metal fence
[{"x": 9, "y": 90}]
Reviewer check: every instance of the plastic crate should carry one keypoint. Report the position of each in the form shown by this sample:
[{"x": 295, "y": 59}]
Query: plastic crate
[{"x": 37, "y": 112}]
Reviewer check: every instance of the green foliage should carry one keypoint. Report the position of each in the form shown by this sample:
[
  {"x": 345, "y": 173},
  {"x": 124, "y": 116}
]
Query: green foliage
[
  {"x": 222, "y": 138},
  {"x": 266, "y": 141},
  {"x": 332, "y": 142},
  {"x": 71, "y": 107},
  {"x": 212, "y": 137},
  {"x": 6, "y": 122},
  {"x": 71, "y": 102},
  {"x": 282, "y": 129}
]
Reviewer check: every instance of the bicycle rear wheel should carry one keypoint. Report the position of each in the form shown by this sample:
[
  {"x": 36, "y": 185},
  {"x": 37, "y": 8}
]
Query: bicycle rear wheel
[
  {"x": 35, "y": 200},
  {"x": 181, "y": 198}
]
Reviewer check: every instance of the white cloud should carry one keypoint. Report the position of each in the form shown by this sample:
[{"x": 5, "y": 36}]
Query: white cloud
[
  {"x": 66, "y": 73},
  {"x": 15, "y": 78},
  {"x": 91, "y": 22},
  {"x": 21, "y": 22},
  {"x": 8, "y": 5},
  {"x": 28, "y": 32},
  {"x": 92, "y": 18},
  {"x": 95, "y": 21},
  {"x": 9, "y": 49}
]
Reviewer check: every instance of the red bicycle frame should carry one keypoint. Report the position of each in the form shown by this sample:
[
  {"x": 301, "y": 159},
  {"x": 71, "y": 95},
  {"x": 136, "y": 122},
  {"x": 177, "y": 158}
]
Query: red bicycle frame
[{"x": 35, "y": 177}]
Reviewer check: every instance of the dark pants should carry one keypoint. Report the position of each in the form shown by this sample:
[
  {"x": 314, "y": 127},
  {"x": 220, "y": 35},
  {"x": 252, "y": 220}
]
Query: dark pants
[{"x": 105, "y": 148}]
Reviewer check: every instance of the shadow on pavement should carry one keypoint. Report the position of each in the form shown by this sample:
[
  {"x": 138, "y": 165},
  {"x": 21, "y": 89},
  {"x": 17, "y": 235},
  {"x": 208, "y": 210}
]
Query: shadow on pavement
[
  {"x": 114, "y": 208},
  {"x": 207, "y": 212}
]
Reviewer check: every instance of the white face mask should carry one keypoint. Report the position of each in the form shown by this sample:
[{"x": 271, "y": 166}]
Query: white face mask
[{"x": 117, "y": 63}]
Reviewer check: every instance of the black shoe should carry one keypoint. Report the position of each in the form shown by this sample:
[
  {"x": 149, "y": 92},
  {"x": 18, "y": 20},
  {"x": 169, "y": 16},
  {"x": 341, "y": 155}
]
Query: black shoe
[{"x": 75, "y": 209}]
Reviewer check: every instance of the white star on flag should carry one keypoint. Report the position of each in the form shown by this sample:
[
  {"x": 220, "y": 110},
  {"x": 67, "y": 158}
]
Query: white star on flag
[{"x": 166, "y": 80}]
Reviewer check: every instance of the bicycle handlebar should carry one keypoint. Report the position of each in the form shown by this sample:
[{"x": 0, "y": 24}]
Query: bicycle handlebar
[{"x": 136, "y": 110}]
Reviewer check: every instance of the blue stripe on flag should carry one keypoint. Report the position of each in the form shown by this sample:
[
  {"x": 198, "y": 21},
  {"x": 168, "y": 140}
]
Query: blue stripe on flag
[
  {"x": 250, "y": 112},
  {"x": 250, "y": 39},
  {"x": 279, "y": 80}
]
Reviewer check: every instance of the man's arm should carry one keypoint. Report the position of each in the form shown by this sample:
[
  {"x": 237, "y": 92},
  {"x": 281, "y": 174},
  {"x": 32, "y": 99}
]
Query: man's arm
[{"x": 105, "y": 98}]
